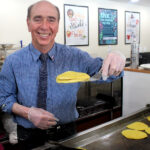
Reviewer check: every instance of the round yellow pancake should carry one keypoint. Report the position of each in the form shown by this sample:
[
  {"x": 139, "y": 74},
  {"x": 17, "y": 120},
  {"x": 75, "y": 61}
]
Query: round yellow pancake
[
  {"x": 134, "y": 134},
  {"x": 72, "y": 77},
  {"x": 148, "y": 118},
  {"x": 137, "y": 126},
  {"x": 147, "y": 130}
]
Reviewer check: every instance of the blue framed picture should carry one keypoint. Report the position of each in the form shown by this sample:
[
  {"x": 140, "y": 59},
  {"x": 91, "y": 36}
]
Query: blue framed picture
[{"x": 107, "y": 26}]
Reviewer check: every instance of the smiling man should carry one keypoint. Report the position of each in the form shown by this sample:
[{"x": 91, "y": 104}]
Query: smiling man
[
  {"x": 43, "y": 23},
  {"x": 43, "y": 109}
]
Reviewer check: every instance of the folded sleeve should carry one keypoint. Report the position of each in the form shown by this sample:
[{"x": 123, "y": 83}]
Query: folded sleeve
[
  {"x": 7, "y": 87},
  {"x": 111, "y": 78}
]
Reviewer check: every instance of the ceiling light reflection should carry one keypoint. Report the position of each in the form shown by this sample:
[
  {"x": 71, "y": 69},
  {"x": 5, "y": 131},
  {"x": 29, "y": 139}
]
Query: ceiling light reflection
[{"x": 134, "y": 1}]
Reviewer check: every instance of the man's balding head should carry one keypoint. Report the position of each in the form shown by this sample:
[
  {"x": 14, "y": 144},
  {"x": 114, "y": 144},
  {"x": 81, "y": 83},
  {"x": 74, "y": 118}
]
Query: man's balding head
[{"x": 29, "y": 13}]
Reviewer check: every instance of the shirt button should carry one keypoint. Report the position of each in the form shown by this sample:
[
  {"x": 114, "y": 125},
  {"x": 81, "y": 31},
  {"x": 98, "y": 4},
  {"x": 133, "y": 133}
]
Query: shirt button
[{"x": 2, "y": 107}]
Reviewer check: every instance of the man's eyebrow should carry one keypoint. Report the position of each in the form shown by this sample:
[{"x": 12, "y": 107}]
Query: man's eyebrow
[
  {"x": 51, "y": 17},
  {"x": 37, "y": 17}
]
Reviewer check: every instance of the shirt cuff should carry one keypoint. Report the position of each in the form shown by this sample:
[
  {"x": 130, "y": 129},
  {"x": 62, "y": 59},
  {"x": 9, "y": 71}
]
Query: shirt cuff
[
  {"x": 111, "y": 78},
  {"x": 7, "y": 106}
]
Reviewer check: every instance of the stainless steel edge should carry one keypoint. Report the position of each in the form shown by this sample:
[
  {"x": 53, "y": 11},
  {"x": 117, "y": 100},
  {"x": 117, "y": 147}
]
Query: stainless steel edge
[{"x": 89, "y": 136}]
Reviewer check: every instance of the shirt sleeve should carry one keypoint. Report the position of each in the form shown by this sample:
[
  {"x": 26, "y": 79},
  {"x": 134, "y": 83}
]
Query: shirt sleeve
[
  {"x": 111, "y": 78},
  {"x": 93, "y": 65},
  {"x": 89, "y": 64},
  {"x": 7, "y": 87}
]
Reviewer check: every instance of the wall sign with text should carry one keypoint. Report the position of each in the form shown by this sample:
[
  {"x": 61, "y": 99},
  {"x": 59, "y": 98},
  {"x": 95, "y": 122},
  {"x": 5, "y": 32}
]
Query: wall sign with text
[
  {"x": 107, "y": 26},
  {"x": 132, "y": 27},
  {"x": 76, "y": 25}
]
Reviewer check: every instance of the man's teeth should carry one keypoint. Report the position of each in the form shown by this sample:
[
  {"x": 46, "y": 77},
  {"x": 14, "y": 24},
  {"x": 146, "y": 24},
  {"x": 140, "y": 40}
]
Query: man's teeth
[{"x": 44, "y": 35}]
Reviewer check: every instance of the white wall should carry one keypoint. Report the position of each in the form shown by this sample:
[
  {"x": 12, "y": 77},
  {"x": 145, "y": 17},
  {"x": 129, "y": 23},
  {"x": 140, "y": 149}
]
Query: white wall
[{"x": 13, "y": 26}]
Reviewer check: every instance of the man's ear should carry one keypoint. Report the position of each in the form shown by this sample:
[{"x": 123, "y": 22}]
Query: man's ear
[{"x": 28, "y": 24}]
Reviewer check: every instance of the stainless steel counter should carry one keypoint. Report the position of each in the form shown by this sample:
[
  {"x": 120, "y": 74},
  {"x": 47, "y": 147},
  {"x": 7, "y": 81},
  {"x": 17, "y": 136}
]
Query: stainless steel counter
[{"x": 108, "y": 136}]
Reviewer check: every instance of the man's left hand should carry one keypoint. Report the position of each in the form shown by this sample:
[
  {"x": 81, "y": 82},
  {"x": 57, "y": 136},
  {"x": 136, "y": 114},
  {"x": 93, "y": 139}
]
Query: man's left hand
[{"x": 113, "y": 64}]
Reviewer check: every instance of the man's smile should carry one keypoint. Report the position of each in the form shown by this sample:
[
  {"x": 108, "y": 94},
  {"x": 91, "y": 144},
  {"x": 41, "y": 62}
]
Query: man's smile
[{"x": 44, "y": 35}]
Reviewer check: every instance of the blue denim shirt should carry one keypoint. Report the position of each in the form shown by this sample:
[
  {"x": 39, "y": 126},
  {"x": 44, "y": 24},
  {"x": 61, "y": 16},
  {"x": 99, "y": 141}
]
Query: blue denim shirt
[{"x": 19, "y": 79}]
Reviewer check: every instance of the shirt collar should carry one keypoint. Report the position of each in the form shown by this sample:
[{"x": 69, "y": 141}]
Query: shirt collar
[
  {"x": 36, "y": 53},
  {"x": 52, "y": 52}
]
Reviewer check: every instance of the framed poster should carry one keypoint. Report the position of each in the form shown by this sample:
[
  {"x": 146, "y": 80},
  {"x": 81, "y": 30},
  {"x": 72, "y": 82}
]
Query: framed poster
[
  {"x": 132, "y": 27},
  {"x": 76, "y": 25},
  {"x": 107, "y": 26}
]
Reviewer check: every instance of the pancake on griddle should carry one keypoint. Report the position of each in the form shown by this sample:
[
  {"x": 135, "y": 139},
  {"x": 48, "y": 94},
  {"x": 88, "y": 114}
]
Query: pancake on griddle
[
  {"x": 148, "y": 118},
  {"x": 137, "y": 125},
  {"x": 134, "y": 134},
  {"x": 147, "y": 130}
]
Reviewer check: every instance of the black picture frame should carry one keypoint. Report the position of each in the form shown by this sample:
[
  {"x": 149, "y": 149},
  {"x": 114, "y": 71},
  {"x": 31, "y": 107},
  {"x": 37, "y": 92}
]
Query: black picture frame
[{"x": 107, "y": 26}]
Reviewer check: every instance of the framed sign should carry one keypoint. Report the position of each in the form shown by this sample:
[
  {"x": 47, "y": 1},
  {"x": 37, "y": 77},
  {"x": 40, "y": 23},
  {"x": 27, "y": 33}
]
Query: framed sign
[
  {"x": 76, "y": 25},
  {"x": 132, "y": 27},
  {"x": 107, "y": 26}
]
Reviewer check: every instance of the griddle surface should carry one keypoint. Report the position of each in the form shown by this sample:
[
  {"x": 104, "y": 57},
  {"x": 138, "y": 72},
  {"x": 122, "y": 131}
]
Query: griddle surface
[
  {"x": 116, "y": 141},
  {"x": 55, "y": 146}
]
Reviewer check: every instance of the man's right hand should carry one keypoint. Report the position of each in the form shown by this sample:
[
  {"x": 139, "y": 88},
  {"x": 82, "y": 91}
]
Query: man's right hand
[
  {"x": 41, "y": 118},
  {"x": 113, "y": 64}
]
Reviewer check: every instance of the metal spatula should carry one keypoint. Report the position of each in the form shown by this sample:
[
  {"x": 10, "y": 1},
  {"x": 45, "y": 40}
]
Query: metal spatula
[{"x": 97, "y": 76}]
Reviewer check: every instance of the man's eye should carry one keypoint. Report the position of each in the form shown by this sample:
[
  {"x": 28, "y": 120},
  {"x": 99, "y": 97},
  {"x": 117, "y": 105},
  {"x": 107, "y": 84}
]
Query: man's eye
[
  {"x": 37, "y": 19},
  {"x": 51, "y": 20}
]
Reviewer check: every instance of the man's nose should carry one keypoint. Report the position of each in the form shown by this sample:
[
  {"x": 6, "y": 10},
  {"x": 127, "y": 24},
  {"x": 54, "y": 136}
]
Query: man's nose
[{"x": 45, "y": 24}]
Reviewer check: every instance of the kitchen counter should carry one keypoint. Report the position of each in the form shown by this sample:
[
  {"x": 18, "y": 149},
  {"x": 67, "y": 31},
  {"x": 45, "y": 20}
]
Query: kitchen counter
[
  {"x": 139, "y": 69},
  {"x": 136, "y": 85}
]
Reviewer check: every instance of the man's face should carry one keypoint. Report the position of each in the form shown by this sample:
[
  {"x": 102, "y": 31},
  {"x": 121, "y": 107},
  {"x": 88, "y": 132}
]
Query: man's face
[{"x": 43, "y": 25}]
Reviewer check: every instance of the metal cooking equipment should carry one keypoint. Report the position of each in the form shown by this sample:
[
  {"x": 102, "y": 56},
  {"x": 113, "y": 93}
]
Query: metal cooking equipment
[
  {"x": 97, "y": 104},
  {"x": 6, "y": 46},
  {"x": 108, "y": 135},
  {"x": 3, "y": 50},
  {"x": 97, "y": 76},
  {"x": 144, "y": 58}
]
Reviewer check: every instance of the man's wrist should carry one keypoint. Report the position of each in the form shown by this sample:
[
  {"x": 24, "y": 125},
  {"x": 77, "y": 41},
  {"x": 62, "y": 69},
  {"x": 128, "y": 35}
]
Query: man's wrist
[{"x": 20, "y": 110}]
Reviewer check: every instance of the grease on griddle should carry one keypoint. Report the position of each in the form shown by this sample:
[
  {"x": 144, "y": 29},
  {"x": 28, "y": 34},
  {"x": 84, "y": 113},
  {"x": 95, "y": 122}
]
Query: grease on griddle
[{"x": 59, "y": 147}]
